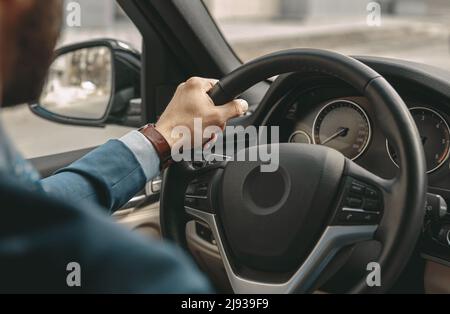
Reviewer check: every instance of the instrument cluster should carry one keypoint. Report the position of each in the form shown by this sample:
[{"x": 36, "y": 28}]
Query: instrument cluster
[{"x": 348, "y": 125}]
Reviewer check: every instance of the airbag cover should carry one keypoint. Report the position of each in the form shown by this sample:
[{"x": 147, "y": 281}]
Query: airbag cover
[{"x": 271, "y": 221}]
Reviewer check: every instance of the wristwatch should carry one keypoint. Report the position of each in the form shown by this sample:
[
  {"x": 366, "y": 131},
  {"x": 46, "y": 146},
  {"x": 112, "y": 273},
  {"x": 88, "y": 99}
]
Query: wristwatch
[{"x": 160, "y": 144}]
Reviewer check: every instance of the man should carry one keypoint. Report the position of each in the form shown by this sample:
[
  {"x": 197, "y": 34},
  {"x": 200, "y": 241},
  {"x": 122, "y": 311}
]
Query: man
[{"x": 48, "y": 224}]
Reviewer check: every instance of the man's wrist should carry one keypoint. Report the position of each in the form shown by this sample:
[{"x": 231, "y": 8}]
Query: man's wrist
[
  {"x": 166, "y": 133},
  {"x": 160, "y": 143}
]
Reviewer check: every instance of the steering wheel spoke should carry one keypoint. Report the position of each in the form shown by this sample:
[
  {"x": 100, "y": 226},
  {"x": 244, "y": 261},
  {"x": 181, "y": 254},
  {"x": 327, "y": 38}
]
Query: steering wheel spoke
[{"x": 332, "y": 240}]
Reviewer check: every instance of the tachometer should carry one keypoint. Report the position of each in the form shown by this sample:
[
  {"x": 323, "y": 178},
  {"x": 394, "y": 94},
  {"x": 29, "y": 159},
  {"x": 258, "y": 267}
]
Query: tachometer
[
  {"x": 344, "y": 126},
  {"x": 435, "y": 134}
]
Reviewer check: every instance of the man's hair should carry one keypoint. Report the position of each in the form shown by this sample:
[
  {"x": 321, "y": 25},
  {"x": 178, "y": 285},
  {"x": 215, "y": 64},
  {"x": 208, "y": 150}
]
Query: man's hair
[{"x": 32, "y": 47}]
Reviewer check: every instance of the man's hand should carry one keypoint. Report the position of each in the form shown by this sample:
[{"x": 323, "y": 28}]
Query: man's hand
[{"x": 192, "y": 101}]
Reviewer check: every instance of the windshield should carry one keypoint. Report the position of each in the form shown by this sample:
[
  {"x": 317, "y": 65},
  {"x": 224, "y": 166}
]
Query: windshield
[{"x": 415, "y": 30}]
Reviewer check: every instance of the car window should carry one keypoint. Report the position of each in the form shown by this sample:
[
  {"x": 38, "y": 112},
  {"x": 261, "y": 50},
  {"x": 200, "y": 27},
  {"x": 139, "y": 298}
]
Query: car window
[
  {"x": 416, "y": 30},
  {"x": 97, "y": 19}
]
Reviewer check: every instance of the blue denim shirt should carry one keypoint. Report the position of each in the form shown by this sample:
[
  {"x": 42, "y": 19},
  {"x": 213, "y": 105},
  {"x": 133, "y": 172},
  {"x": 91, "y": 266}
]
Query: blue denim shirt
[
  {"x": 48, "y": 224},
  {"x": 15, "y": 168}
]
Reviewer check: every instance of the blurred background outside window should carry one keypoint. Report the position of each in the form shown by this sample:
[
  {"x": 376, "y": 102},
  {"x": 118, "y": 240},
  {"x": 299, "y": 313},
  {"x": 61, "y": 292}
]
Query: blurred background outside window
[
  {"x": 101, "y": 19},
  {"x": 417, "y": 30}
]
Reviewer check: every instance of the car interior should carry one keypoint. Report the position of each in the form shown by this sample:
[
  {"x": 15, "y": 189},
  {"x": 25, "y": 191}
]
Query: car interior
[{"x": 364, "y": 150}]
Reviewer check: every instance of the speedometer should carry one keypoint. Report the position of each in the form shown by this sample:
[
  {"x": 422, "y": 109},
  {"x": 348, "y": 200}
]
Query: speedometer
[
  {"x": 344, "y": 126},
  {"x": 435, "y": 135}
]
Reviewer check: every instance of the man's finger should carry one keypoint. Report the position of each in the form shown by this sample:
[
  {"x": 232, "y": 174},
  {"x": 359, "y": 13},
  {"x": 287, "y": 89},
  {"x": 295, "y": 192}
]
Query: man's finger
[
  {"x": 233, "y": 109},
  {"x": 212, "y": 82},
  {"x": 203, "y": 84}
]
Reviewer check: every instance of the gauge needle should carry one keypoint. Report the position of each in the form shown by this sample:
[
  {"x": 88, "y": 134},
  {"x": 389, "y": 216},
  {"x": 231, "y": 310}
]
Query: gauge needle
[{"x": 341, "y": 132}]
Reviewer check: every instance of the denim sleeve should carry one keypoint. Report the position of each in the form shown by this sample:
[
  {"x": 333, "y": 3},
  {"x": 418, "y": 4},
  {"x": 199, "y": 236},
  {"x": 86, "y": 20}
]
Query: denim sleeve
[
  {"x": 144, "y": 152},
  {"x": 108, "y": 176}
]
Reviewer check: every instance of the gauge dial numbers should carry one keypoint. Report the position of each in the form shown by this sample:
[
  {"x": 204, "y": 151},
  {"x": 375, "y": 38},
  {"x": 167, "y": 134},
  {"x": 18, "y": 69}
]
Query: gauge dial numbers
[
  {"x": 435, "y": 135},
  {"x": 343, "y": 125}
]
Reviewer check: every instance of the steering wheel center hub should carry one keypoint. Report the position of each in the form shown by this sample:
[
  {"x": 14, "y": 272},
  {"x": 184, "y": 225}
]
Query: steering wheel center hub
[
  {"x": 266, "y": 191},
  {"x": 271, "y": 220}
]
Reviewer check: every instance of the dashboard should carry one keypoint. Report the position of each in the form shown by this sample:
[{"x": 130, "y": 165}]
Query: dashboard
[
  {"x": 334, "y": 115},
  {"x": 348, "y": 125},
  {"x": 318, "y": 110}
]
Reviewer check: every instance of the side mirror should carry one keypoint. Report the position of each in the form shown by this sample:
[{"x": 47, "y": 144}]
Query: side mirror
[{"x": 93, "y": 84}]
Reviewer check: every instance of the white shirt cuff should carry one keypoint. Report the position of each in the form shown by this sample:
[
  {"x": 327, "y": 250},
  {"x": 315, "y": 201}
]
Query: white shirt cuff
[{"x": 144, "y": 152}]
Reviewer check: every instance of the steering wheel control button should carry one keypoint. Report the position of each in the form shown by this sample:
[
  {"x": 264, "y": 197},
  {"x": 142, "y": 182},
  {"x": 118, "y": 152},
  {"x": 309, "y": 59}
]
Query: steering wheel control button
[
  {"x": 201, "y": 193},
  {"x": 357, "y": 189},
  {"x": 197, "y": 195},
  {"x": 371, "y": 193},
  {"x": 204, "y": 233},
  {"x": 371, "y": 205},
  {"x": 357, "y": 217},
  {"x": 353, "y": 202},
  {"x": 361, "y": 204},
  {"x": 346, "y": 217},
  {"x": 370, "y": 218},
  {"x": 191, "y": 202}
]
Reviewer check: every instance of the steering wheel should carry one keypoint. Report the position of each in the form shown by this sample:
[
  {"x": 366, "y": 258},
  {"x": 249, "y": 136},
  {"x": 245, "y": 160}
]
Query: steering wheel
[{"x": 276, "y": 232}]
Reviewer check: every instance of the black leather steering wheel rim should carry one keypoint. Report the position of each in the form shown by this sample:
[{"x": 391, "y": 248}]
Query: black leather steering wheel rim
[{"x": 402, "y": 222}]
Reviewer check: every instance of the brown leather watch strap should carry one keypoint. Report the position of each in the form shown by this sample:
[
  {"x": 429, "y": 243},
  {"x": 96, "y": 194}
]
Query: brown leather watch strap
[{"x": 159, "y": 143}]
